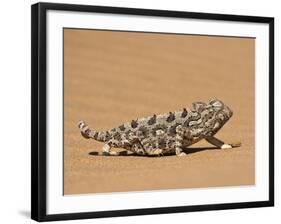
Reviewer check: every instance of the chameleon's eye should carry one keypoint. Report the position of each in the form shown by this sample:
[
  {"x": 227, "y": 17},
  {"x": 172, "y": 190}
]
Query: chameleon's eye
[
  {"x": 221, "y": 117},
  {"x": 216, "y": 103}
]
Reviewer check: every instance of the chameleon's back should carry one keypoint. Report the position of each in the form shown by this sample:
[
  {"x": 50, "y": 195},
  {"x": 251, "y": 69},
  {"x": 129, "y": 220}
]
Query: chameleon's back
[{"x": 159, "y": 131}]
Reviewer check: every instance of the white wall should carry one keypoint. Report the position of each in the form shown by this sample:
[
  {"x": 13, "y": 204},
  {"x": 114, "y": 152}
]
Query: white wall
[{"x": 15, "y": 110}]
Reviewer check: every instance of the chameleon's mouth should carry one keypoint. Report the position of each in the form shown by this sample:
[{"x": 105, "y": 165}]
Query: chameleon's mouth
[{"x": 228, "y": 112}]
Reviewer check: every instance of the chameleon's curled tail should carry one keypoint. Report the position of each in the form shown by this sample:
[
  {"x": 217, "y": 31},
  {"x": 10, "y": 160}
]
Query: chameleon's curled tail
[{"x": 86, "y": 132}]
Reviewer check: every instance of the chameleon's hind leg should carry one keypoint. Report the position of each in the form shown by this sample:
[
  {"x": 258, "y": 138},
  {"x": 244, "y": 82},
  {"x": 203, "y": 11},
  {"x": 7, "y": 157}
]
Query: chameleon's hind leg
[
  {"x": 180, "y": 133},
  {"x": 106, "y": 149},
  {"x": 220, "y": 144}
]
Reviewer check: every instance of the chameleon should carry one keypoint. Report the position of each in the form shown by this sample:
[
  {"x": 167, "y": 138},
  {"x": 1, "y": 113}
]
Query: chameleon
[{"x": 165, "y": 133}]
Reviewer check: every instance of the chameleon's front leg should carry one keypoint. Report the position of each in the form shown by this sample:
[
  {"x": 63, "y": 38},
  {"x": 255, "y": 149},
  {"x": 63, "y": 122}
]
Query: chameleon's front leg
[{"x": 220, "y": 144}]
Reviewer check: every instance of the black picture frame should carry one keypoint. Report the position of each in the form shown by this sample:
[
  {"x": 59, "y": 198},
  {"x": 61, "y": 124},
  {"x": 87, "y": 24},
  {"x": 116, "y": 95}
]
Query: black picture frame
[{"x": 38, "y": 108}]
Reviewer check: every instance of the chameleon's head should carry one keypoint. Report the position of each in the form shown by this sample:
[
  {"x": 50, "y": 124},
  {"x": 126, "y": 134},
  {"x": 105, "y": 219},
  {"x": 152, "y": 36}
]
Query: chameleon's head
[
  {"x": 213, "y": 116},
  {"x": 222, "y": 113},
  {"x": 214, "y": 107}
]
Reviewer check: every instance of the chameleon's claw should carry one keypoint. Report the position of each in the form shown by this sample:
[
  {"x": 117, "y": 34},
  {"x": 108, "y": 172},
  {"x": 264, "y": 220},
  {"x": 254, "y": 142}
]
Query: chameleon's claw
[
  {"x": 182, "y": 154},
  {"x": 111, "y": 153},
  {"x": 226, "y": 146},
  {"x": 105, "y": 154},
  {"x": 236, "y": 144},
  {"x": 232, "y": 145}
]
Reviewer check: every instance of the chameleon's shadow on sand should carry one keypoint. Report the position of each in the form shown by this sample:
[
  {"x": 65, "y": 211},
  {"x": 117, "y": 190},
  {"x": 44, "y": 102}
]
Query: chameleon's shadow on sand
[{"x": 186, "y": 150}]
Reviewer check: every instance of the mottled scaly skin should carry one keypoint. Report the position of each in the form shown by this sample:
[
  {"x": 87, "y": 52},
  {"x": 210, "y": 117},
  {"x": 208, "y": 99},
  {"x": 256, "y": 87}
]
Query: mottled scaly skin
[{"x": 165, "y": 133}]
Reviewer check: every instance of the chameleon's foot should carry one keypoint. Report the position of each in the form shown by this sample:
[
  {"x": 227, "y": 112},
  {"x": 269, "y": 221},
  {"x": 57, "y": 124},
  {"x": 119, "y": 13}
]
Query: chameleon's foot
[
  {"x": 181, "y": 154},
  {"x": 111, "y": 153},
  {"x": 106, "y": 151},
  {"x": 105, "y": 154},
  {"x": 123, "y": 153},
  {"x": 156, "y": 152},
  {"x": 226, "y": 146}
]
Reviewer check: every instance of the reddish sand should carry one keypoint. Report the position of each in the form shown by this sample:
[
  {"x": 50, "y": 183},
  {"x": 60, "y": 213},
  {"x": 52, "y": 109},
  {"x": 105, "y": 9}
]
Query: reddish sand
[{"x": 113, "y": 77}]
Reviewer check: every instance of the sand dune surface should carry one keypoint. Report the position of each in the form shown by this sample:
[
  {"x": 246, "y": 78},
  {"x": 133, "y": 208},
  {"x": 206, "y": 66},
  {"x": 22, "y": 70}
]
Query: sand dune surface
[{"x": 114, "y": 77}]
